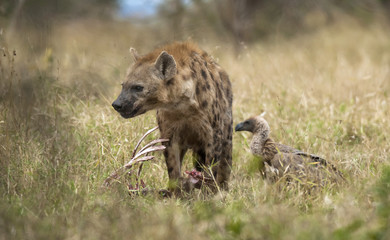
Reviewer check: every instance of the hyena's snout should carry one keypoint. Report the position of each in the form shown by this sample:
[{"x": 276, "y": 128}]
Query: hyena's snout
[
  {"x": 127, "y": 109},
  {"x": 117, "y": 105}
]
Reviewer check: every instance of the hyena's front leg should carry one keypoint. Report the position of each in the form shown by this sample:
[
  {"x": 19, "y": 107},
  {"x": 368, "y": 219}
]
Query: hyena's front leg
[
  {"x": 173, "y": 157},
  {"x": 208, "y": 161}
]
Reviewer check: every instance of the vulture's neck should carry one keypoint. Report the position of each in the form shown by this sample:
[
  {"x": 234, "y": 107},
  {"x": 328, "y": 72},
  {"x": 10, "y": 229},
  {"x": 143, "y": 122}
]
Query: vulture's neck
[
  {"x": 257, "y": 143},
  {"x": 263, "y": 146}
]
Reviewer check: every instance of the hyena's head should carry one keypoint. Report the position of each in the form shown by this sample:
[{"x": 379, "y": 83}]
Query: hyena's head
[{"x": 144, "y": 85}]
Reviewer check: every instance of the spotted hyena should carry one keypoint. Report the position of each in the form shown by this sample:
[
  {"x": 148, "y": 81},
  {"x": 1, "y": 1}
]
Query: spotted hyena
[{"x": 193, "y": 98}]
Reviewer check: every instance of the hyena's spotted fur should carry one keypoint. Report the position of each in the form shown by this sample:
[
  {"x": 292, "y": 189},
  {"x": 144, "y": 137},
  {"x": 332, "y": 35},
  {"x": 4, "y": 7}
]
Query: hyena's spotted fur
[{"x": 193, "y": 98}]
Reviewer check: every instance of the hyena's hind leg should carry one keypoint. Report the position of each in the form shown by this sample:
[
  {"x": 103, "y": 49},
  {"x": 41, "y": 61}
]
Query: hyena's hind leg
[{"x": 225, "y": 166}]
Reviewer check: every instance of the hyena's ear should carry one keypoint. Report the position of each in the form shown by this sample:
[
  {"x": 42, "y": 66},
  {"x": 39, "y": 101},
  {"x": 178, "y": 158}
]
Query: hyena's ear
[
  {"x": 166, "y": 64},
  {"x": 134, "y": 54}
]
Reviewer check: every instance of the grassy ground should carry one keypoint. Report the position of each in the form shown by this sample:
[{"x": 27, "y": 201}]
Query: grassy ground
[{"x": 326, "y": 92}]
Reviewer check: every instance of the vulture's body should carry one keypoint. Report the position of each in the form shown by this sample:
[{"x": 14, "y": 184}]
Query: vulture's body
[{"x": 284, "y": 162}]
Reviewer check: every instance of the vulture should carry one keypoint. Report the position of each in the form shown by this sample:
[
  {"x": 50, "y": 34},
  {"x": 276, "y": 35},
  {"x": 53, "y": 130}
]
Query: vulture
[{"x": 284, "y": 162}]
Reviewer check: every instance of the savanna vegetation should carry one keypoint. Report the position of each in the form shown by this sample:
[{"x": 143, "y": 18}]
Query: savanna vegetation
[{"x": 322, "y": 74}]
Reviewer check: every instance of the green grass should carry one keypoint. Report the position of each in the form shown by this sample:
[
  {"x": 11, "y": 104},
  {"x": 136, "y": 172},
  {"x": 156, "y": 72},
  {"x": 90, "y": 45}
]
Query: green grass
[{"x": 326, "y": 92}]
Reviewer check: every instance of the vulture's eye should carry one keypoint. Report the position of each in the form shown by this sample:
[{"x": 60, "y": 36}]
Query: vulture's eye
[{"x": 137, "y": 88}]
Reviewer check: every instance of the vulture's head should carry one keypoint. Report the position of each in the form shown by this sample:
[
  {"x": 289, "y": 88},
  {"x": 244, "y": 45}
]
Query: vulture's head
[{"x": 255, "y": 125}]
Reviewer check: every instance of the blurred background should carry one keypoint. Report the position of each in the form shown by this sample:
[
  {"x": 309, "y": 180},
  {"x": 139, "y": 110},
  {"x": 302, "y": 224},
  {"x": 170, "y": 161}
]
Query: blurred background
[
  {"x": 74, "y": 37},
  {"x": 238, "y": 22}
]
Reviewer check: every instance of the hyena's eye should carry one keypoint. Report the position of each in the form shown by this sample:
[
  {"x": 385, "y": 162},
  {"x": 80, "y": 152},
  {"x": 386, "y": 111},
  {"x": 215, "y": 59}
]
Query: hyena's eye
[{"x": 137, "y": 88}]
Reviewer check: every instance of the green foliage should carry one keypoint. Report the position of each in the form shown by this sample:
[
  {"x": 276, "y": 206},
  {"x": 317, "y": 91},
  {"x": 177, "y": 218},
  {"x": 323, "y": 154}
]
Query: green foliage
[
  {"x": 347, "y": 232},
  {"x": 255, "y": 165},
  {"x": 382, "y": 191}
]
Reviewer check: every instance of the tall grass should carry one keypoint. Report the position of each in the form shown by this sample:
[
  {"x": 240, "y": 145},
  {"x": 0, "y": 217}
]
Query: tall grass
[{"x": 326, "y": 92}]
